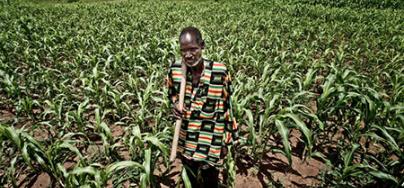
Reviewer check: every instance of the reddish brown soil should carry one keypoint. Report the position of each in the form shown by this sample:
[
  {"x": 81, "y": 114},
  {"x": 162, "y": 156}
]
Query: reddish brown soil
[
  {"x": 43, "y": 180},
  {"x": 117, "y": 131},
  {"x": 5, "y": 116}
]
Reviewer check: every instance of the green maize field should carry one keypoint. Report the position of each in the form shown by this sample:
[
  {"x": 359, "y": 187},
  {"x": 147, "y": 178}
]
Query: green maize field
[{"x": 83, "y": 102}]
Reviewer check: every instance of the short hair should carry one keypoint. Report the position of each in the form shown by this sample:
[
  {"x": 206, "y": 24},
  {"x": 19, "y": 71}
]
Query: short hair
[{"x": 193, "y": 31}]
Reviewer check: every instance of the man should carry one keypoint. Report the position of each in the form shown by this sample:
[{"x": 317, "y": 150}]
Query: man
[{"x": 208, "y": 125}]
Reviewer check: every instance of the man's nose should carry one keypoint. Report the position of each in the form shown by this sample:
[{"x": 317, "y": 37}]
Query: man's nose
[{"x": 188, "y": 54}]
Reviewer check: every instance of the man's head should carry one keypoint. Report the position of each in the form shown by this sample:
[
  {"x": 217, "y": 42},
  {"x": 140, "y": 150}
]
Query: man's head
[{"x": 191, "y": 46}]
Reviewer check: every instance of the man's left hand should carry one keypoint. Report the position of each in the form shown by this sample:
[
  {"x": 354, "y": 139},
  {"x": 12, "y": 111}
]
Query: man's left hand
[{"x": 224, "y": 152}]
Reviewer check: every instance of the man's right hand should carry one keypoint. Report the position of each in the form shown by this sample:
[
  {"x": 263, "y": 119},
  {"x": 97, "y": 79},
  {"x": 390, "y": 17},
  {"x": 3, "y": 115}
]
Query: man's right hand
[{"x": 177, "y": 112}]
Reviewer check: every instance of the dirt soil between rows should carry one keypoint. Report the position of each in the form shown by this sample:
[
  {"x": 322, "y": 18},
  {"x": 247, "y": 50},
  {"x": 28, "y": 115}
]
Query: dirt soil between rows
[{"x": 273, "y": 170}]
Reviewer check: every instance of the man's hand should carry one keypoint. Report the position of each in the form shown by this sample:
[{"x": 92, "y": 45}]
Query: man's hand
[
  {"x": 233, "y": 148},
  {"x": 176, "y": 111},
  {"x": 224, "y": 151}
]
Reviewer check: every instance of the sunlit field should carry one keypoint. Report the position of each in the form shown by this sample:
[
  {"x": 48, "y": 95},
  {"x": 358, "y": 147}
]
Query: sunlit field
[{"x": 83, "y": 100}]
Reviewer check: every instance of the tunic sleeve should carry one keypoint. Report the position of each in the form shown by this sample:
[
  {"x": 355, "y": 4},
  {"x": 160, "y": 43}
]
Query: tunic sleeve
[
  {"x": 172, "y": 86},
  {"x": 231, "y": 127}
]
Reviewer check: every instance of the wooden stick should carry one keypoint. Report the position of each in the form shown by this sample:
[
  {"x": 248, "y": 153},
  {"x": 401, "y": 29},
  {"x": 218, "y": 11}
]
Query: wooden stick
[{"x": 178, "y": 123}]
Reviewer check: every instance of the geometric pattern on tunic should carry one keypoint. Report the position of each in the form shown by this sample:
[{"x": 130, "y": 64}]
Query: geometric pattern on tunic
[{"x": 208, "y": 123}]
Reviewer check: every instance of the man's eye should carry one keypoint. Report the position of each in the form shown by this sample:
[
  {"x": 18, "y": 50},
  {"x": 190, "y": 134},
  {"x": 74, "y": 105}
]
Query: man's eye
[{"x": 192, "y": 50}]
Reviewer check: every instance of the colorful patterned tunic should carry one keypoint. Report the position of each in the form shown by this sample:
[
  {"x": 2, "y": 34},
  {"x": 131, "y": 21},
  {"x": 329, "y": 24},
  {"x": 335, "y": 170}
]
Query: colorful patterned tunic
[{"x": 208, "y": 122}]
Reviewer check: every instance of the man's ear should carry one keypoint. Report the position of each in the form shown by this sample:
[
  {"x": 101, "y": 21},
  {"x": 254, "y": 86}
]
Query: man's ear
[{"x": 203, "y": 44}]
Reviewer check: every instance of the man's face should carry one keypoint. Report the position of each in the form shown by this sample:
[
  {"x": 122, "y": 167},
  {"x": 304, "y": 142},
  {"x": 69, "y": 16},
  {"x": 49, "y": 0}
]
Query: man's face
[{"x": 191, "y": 51}]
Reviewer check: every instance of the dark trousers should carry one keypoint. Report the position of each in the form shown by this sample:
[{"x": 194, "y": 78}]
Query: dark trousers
[{"x": 200, "y": 174}]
